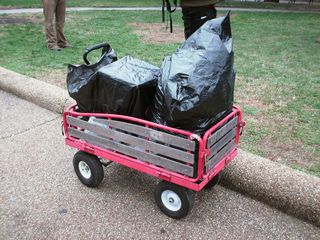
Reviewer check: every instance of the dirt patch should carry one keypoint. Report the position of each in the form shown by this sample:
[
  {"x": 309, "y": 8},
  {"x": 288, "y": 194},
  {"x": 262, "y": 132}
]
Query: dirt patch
[
  {"x": 289, "y": 153},
  {"x": 157, "y": 33},
  {"x": 268, "y": 132},
  {"x": 56, "y": 77},
  {"x": 18, "y": 20},
  {"x": 265, "y": 128}
]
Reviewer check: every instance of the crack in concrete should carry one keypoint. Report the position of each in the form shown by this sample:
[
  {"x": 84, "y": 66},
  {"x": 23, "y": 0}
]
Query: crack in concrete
[{"x": 28, "y": 129}]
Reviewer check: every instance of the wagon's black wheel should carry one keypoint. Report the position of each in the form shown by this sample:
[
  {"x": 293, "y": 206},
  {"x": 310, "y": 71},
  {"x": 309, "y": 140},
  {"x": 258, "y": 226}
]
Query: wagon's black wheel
[
  {"x": 214, "y": 181},
  {"x": 88, "y": 168},
  {"x": 173, "y": 200}
]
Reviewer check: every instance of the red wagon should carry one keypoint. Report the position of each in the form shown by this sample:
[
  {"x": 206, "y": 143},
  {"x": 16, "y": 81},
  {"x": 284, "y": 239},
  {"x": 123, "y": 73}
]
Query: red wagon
[{"x": 184, "y": 161}]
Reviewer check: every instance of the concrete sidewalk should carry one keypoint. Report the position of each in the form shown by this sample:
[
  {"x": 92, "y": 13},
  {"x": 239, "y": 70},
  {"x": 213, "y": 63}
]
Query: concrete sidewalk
[
  {"x": 41, "y": 197},
  {"x": 291, "y": 191}
]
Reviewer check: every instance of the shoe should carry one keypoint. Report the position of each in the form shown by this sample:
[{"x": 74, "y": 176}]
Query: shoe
[
  {"x": 55, "y": 48},
  {"x": 66, "y": 46}
]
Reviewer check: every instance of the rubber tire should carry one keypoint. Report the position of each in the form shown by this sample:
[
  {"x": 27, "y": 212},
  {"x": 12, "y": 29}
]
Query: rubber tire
[
  {"x": 95, "y": 166},
  {"x": 186, "y": 196},
  {"x": 214, "y": 181}
]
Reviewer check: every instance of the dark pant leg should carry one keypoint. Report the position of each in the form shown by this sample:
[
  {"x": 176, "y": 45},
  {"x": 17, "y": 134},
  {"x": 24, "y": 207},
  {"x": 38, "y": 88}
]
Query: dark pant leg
[{"x": 195, "y": 17}]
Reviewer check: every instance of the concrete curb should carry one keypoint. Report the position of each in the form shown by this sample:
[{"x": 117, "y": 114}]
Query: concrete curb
[
  {"x": 290, "y": 191},
  {"x": 43, "y": 94},
  {"x": 293, "y": 192}
]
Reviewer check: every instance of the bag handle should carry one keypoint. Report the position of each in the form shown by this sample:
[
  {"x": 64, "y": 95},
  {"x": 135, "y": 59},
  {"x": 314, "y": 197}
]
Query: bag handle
[{"x": 105, "y": 48}]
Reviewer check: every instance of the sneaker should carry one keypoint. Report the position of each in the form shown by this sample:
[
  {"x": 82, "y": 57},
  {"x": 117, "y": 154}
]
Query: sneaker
[{"x": 55, "y": 48}]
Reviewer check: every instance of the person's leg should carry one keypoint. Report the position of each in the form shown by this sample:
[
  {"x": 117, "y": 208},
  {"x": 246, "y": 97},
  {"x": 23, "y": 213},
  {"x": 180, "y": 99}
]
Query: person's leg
[
  {"x": 195, "y": 17},
  {"x": 49, "y": 7},
  {"x": 60, "y": 19}
]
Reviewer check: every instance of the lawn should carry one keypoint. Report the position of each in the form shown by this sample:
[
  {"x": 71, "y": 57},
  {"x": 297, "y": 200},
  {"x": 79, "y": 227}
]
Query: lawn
[
  {"x": 276, "y": 58},
  {"x": 83, "y": 3},
  {"x": 155, "y": 3}
]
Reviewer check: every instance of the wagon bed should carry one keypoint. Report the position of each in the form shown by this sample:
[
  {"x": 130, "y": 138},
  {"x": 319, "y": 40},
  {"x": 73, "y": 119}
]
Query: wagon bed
[{"x": 176, "y": 156}]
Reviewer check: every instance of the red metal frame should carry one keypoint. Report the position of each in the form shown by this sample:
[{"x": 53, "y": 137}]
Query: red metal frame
[{"x": 195, "y": 184}]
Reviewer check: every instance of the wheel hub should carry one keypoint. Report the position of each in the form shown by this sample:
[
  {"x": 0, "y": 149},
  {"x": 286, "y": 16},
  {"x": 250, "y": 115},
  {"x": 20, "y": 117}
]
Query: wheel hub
[
  {"x": 171, "y": 200},
  {"x": 84, "y": 169}
]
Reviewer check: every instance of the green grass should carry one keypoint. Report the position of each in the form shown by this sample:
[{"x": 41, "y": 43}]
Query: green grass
[
  {"x": 314, "y": 170},
  {"x": 83, "y": 3},
  {"x": 276, "y": 58},
  {"x": 83, "y": 29},
  {"x": 268, "y": 5},
  {"x": 154, "y": 3},
  {"x": 285, "y": 57}
]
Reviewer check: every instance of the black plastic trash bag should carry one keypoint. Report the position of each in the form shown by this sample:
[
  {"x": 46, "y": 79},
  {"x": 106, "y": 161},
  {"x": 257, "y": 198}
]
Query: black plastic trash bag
[
  {"x": 196, "y": 84},
  {"x": 81, "y": 80},
  {"x": 126, "y": 87}
]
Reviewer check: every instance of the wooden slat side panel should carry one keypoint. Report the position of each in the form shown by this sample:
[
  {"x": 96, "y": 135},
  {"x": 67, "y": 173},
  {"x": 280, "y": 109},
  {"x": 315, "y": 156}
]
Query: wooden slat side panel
[
  {"x": 222, "y": 142},
  {"x": 117, "y": 136},
  {"x": 133, "y": 152},
  {"x": 221, "y": 132},
  {"x": 215, "y": 159},
  {"x": 135, "y": 141},
  {"x": 98, "y": 129},
  {"x": 151, "y": 133}
]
